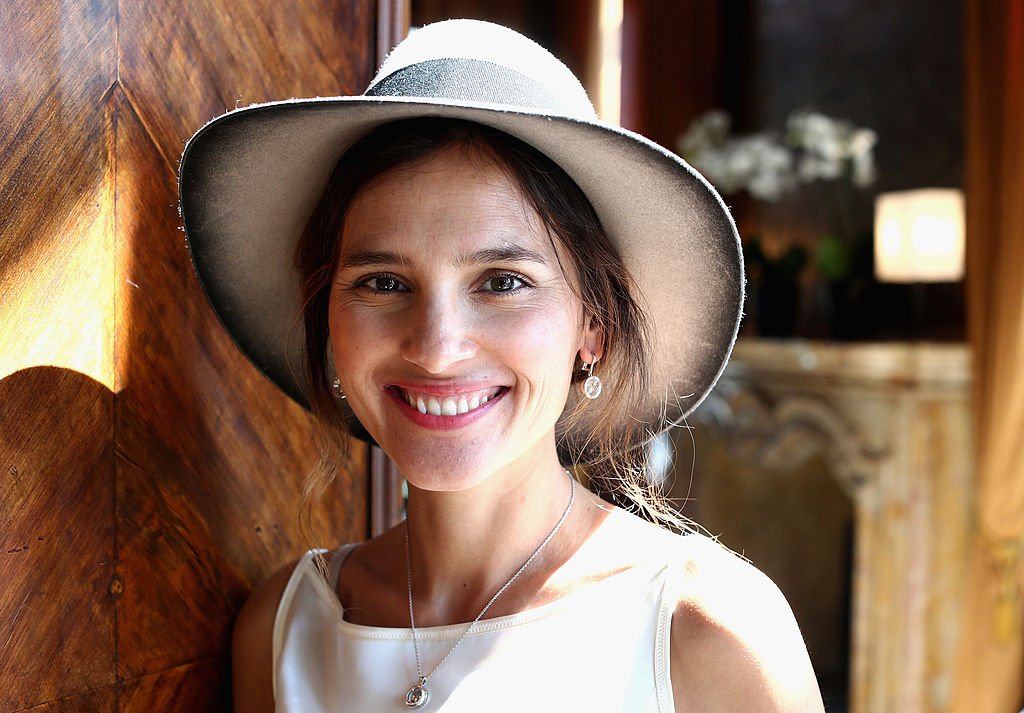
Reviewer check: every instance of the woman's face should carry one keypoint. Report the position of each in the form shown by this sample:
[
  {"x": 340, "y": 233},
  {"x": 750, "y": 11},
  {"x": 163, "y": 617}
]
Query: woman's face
[{"x": 453, "y": 328}]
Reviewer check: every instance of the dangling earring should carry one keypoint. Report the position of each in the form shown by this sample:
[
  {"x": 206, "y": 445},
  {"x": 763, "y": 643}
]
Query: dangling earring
[
  {"x": 591, "y": 386},
  {"x": 336, "y": 389}
]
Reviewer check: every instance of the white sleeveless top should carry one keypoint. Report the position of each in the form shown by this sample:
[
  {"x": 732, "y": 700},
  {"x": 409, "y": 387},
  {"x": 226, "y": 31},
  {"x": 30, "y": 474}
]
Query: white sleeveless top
[{"x": 602, "y": 649}]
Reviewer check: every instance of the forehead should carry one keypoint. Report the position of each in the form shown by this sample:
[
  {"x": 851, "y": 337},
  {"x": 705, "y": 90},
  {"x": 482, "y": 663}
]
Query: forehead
[{"x": 450, "y": 203}]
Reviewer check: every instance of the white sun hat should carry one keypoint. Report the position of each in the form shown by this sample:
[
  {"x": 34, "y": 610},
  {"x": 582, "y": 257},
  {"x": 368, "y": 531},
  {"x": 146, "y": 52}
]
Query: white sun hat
[{"x": 250, "y": 178}]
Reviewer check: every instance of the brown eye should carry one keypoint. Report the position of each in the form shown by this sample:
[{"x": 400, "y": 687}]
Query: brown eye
[
  {"x": 385, "y": 283},
  {"x": 503, "y": 283}
]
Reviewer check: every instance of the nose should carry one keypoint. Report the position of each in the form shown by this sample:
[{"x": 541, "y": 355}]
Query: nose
[{"x": 439, "y": 335}]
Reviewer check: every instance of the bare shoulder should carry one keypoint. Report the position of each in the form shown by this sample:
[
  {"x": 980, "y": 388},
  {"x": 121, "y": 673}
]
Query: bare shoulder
[
  {"x": 252, "y": 644},
  {"x": 735, "y": 645}
]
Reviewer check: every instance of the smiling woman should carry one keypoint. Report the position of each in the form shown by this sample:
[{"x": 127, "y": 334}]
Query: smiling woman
[
  {"x": 465, "y": 243},
  {"x": 460, "y": 223},
  {"x": 442, "y": 329}
]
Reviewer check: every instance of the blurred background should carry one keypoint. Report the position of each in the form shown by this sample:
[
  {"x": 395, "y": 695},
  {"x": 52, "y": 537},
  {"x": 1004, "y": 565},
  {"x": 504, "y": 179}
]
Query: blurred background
[{"x": 862, "y": 448}]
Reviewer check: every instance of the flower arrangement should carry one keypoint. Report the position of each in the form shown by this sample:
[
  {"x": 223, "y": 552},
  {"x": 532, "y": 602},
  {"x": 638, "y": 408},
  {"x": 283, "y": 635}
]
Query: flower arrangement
[{"x": 767, "y": 165}]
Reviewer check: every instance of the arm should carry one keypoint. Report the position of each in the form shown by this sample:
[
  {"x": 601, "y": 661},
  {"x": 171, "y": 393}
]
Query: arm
[
  {"x": 735, "y": 645},
  {"x": 252, "y": 646}
]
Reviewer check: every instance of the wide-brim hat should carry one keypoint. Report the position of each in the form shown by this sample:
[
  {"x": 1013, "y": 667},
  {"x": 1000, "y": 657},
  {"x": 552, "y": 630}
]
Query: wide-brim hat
[{"x": 250, "y": 178}]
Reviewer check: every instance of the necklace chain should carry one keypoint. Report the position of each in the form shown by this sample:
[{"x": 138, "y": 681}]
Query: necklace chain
[{"x": 421, "y": 697}]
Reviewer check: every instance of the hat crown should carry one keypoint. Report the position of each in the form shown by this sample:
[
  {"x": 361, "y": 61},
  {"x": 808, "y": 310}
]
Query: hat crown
[{"x": 480, "y": 62}]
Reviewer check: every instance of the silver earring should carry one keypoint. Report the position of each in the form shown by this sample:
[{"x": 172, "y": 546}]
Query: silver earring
[
  {"x": 591, "y": 386},
  {"x": 337, "y": 390}
]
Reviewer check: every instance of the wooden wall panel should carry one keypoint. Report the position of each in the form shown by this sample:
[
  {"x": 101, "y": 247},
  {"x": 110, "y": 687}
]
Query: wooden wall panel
[
  {"x": 103, "y": 700},
  {"x": 56, "y": 359},
  {"x": 211, "y": 456},
  {"x": 152, "y": 476},
  {"x": 183, "y": 63},
  {"x": 203, "y": 685},
  {"x": 57, "y": 535}
]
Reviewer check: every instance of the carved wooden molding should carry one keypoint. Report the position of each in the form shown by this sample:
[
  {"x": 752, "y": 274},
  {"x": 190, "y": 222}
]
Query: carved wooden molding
[{"x": 787, "y": 432}]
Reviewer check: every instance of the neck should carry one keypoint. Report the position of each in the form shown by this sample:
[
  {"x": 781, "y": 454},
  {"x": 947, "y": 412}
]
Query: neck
[{"x": 465, "y": 545}]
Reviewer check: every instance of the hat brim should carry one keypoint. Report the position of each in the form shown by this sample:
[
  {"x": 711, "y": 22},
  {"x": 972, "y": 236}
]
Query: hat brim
[{"x": 250, "y": 179}]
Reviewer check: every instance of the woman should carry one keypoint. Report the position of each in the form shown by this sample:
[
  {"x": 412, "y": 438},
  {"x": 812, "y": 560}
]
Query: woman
[{"x": 493, "y": 286}]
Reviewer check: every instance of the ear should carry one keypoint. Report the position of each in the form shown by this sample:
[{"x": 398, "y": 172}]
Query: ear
[{"x": 591, "y": 342}]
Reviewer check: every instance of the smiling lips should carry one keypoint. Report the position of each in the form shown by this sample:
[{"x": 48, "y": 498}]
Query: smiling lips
[{"x": 448, "y": 404}]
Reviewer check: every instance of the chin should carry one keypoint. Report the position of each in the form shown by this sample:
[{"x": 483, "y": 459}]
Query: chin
[
  {"x": 442, "y": 476},
  {"x": 437, "y": 465}
]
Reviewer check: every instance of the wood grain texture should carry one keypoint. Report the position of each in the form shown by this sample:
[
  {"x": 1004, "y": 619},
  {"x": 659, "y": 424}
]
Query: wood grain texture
[
  {"x": 56, "y": 534},
  {"x": 56, "y": 359},
  {"x": 199, "y": 687},
  {"x": 184, "y": 63},
  {"x": 152, "y": 475},
  {"x": 102, "y": 700},
  {"x": 57, "y": 65}
]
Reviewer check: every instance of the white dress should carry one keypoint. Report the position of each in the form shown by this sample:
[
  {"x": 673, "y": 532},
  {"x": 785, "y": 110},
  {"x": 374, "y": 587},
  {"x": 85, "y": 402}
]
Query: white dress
[{"x": 601, "y": 649}]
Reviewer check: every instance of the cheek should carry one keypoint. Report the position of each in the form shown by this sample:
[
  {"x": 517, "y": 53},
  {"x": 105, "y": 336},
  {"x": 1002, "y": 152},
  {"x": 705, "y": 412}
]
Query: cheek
[
  {"x": 353, "y": 339},
  {"x": 542, "y": 343}
]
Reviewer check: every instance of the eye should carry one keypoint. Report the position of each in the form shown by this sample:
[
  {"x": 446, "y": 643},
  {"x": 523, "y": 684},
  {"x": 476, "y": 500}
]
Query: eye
[
  {"x": 503, "y": 283},
  {"x": 383, "y": 284}
]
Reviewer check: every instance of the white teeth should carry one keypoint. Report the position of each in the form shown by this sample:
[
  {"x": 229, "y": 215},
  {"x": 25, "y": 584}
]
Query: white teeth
[{"x": 446, "y": 405}]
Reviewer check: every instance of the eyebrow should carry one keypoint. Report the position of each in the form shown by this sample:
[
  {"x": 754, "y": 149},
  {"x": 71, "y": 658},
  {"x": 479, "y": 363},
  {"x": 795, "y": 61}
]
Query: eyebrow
[
  {"x": 505, "y": 253},
  {"x": 369, "y": 258}
]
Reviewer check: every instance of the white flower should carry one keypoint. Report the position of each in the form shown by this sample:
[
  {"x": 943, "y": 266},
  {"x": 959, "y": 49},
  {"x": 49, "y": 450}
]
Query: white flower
[
  {"x": 706, "y": 131},
  {"x": 813, "y": 167},
  {"x": 816, "y": 147},
  {"x": 862, "y": 157},
  {"x": 863, "y": 170},
  {"x": 862, "y": 142},
  {"x": 772, "y": 168}
]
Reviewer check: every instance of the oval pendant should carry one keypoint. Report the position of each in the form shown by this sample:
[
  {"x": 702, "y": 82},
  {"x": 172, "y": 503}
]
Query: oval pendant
[
  {"x": 591, "y": 387},
  {"x": 417, "y": 696}
]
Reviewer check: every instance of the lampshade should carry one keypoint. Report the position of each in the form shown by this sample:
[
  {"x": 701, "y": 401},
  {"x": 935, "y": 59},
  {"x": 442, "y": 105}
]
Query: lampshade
[{"x": 919, "y": 236}]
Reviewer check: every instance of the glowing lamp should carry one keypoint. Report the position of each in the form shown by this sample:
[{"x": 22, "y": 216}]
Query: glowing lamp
[{"x": 919, "y": 236}]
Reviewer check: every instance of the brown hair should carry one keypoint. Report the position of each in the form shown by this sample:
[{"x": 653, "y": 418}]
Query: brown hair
[{"x": 610, "y": 441}]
